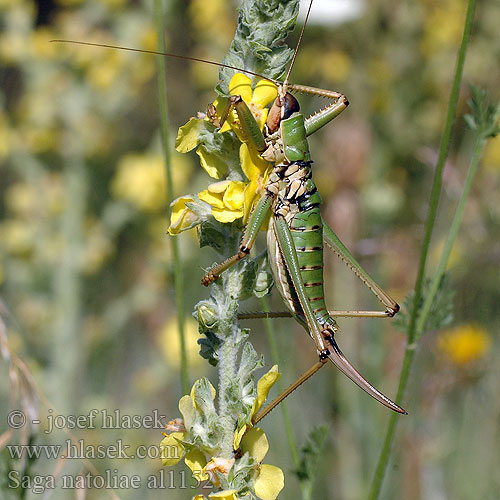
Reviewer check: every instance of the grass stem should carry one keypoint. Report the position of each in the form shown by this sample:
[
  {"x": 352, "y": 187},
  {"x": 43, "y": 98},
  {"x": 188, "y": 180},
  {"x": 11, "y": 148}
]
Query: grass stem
[
  {"x": 165, "y": 135},
  {"x": 429, "y": 226}
]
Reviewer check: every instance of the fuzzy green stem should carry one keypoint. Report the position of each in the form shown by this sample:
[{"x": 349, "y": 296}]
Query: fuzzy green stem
[
  {"x": 429, "y": 226},
  {"x": 177, "y": 267},
  {"x": 227, "y": 363}
]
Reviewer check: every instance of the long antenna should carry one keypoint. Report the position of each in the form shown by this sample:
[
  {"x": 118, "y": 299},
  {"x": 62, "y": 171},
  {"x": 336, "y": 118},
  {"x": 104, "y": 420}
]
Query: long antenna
[
  {"x": 298, "y": 45},
  {"x": 144, "y": 51}
]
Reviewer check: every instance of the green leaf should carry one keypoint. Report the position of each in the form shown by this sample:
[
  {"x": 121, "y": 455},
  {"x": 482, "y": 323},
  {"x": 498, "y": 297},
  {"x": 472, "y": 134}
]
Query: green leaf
[
  {"x": 240, "y": 472},
  {"x": 310, "y": 456},
  {"x": 209, "y": 347},
  {"x": 258, "y": 44},
  {"x": 224, "y": 238},
  {"x": 219, "y": 153},
  {"x": 441, "y": 313},
  {"x": 485, "y": 116}
]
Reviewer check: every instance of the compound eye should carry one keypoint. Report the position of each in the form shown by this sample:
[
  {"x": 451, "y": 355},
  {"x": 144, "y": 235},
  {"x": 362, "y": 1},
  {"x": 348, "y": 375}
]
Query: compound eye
[
  {"x": 291, "y": 105},
  {"x": 282, "y": 108}
]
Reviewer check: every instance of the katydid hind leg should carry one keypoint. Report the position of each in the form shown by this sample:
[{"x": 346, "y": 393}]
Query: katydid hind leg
[{"x": 341, "y": 251}]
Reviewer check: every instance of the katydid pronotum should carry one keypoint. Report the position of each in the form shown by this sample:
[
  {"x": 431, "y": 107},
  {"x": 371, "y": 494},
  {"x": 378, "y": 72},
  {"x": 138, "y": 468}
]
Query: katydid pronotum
[{"x": 296, "y": 230}]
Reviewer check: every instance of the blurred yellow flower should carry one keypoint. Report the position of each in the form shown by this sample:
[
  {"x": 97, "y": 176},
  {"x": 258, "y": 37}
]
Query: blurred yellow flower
[
  {"x": 98, "y": 247},
  {"x": 464, "y": 344},
  {"x": 226, "y": 199},
  {"x": 5, "y": 138},
  {"x": 169, "y": 342},
  {"x": 443, "y": 27},
  {"x": 491, "y": 157},
  {"x": 104, "y": 72},
  {"x": 17, "y": 236},
  {"x": 21, "y": 198},
  {"x": 13, "y": 47},
  {"x": 41, "y": 46},
  {"x": 140, "y": 180},
  {"x": 149, "y": 38},
  {"x": 335, "y": 65}
]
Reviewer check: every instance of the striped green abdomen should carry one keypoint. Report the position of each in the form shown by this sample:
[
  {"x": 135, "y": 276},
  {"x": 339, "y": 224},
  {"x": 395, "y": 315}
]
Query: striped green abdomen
[{"x": 307, "y": 233}]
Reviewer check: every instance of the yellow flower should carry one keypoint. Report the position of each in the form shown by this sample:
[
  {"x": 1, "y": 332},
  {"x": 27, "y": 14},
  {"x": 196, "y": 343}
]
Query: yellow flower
[
  {"x": 270, "y": 479},
  {"x": 232, "y": 200},
  {"x": 171, "y": 447},
  {"x": 171, "y": 450},
  {"x": 197, "y": 462},
  {"x": 443, "y": 27},
  {"x": 253, "y": 165},
  {"x": 182, "y": 217},
  {"x": 224, "y": 495},
  {"x": 264, "y": 386},
  {"x": 265, "y": 93},
  {"x": 226, "y": 199},
  {"x": 219, "y": 465},
  {"x": 98, "y": 247},
  {"x": 255, "y": 442},
  {"x": 464, "y": 344},
  {"x": 269, "y": 482}
]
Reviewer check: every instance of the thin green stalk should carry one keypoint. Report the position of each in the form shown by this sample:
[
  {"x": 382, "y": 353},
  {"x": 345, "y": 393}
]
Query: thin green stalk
[
  {"x": 177, "y": 267},
  {"x": 284, "y": 408},
  {"x": 429, "y": 226},
  {"x": 457, "y": 219},
  {"x": 67, "y": 349}
]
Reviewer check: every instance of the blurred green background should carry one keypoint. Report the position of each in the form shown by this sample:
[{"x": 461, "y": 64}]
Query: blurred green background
[{"x": 86, "y": 289}]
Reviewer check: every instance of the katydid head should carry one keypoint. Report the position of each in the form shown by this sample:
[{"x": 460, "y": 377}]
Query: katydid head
[{"x": 283, "y": 107}]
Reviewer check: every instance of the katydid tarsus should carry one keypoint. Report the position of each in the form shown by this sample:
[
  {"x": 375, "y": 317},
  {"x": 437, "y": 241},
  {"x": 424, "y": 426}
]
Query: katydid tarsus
[{"x": 296, "y": 230}]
